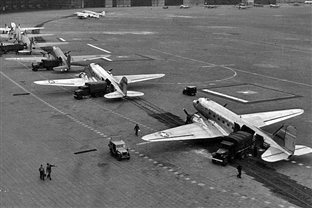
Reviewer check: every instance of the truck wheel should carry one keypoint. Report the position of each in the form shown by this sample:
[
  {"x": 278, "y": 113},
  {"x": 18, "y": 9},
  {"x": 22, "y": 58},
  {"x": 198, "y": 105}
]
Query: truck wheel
[
  {"x": 213, "y": 161},
  {"x": 118, "y": 157},
  {"x": 35, "y": 69},
  {"x": 111, "y": 152},
  {"x": 225, "y": 162},
  {"x": 78, "y": 97}
]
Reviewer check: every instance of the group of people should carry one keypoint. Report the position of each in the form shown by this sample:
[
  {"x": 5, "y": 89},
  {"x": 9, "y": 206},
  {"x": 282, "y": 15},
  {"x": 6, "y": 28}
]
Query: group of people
[{"x": 47, "y": 174}]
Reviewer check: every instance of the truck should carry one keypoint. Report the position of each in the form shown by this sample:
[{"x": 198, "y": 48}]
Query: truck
[
  {"x": 5, "y": 48},
  {"x": 235, "y": 145},
  {"x": 92, "y": 89},
  {"x": 48, "y": 64},
  {"x": 117, "y": 148},
  {"x": 190, "y": 90}
]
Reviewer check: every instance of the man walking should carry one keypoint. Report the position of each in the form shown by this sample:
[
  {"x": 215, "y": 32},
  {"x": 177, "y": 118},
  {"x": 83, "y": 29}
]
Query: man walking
[
  {"x": 41, "y": 171},
  {"x": 49, "y": 169},
  {"x": 239, "y": 169},
  {"x": 136, "y": 129}
]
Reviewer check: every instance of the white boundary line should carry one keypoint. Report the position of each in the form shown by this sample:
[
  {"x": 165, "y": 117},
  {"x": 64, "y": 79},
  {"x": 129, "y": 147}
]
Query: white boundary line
[
  {"x": 224, "y": 95},
  {"x": 101, "y": 49}
]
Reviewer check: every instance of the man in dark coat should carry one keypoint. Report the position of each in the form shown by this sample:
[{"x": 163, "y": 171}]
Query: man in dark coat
[
  {"x": 41, "y": 171},
  {"x": 49, "y": 169},
  {"x": 239, "y": 169}
]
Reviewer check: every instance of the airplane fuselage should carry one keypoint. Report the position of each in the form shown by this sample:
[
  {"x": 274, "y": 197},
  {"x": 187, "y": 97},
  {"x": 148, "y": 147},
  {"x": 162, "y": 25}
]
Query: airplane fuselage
[{"x": 226, "y": 119}]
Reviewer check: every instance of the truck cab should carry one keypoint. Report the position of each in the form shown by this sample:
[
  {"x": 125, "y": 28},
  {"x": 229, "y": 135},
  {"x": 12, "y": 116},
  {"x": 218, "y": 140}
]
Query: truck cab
[{"x": 118, "y": 149}]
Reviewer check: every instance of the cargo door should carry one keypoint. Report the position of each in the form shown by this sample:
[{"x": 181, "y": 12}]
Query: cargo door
[{"x": 173, "y": 2}]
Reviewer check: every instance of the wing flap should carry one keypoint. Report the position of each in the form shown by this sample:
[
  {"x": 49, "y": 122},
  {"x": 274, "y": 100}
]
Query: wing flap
[
  {"x": 139, "y": 78},
  {"x": 268, "y": 118},
  {"x": 185, "y": 132},
  {"x": 76, "y": 82},
  {"x": 273, "y": 155}
]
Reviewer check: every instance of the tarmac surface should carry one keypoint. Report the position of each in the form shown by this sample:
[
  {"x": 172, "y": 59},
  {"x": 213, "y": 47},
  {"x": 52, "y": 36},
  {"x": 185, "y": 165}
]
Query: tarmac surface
[{"x": 261, "y": 57}]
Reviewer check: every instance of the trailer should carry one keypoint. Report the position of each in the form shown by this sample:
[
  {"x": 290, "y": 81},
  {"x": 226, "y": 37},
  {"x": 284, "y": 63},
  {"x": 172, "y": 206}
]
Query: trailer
[{"x": 236, "y": 145}]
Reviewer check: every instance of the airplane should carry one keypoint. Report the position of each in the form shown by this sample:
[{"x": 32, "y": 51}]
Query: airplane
[
  {"x": 101, "y": 14},
  {"x": 242, "y": 6},
  {"x": 30, "y": 43},
  {"x": 24, "y": 43},
  {"x": 184, "y": 6},
  {"x": 57, "y": 60},
  {"x": 308, "y": 2},
  {"x": 210, "y": 6},
  {"x": 10, "y": 31},
  {"x": 274, "y": 5},
  {"x": 220, "y": 122},
  {"x": 95, "y": 73},
  {"x": 85, "y": 14}
]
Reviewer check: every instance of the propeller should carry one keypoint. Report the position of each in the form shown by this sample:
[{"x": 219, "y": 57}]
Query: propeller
[
  {"x": 66, "y": 53},
  {"x": 188, "y": 117}
]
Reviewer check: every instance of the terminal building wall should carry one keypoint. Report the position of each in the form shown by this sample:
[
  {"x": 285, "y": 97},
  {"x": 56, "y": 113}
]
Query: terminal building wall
[{"x": 27, "y": 5}]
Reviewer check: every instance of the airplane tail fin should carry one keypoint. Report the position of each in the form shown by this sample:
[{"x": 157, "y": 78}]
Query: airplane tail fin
[
  {"x": 124, "y": 85},
  {"x": 286, "y": 138},
  {"x": 103, "y": 13},
  {"x": 68, "y": 60}
]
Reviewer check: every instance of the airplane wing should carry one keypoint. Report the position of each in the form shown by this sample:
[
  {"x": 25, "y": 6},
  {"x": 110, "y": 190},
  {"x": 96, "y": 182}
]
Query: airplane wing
[
  {"x": 89, "y": 58},
  {"x": 38, "y": 35},
  {"x": 31, "y": 28},
  {"x": 139, "y": 78},
  {"x": 268, "y": 118},
  {"x": 185, "y": 132},
  {"x": 27, "y": 59},
  {"x": 75, "y": 82},
  {"x": 49, "y": 44}
]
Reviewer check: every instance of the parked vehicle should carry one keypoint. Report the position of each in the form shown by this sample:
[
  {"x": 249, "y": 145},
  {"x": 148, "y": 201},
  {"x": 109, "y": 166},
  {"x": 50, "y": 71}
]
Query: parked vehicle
[
  {"x": 190, "y": 90},
  {"x": 92, "y": 89},
  {"x": 118, "y": 149},
  {"x": 236, "y": 145}
]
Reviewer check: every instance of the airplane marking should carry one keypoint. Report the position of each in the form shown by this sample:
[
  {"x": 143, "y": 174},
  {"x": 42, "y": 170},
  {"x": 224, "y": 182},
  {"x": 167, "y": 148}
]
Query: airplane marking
[
  {"x": 247, "y": 92},
  {"x": 224, "y": 95},
  {"x": 101, "y": 49}
]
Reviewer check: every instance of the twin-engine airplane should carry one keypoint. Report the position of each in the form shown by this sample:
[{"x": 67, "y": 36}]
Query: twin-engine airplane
[
  {"x": 184, "y": 6},
  {"x": 10, "y": 31},
  {"x": 57, "y": 60},
  {"x": 95, "y": 73},
  {"x": 31, "y": 44},
  {"x": 220, "y": 122},
  {"x": 86, "y": 13}
]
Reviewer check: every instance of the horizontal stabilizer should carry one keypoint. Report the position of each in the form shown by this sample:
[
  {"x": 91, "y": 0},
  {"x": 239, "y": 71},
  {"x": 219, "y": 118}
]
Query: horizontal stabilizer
[
  {"x": 273, "y": 155},
  {"x": 302, "y": 150},
  {"x": 134, "y": 94},
  {"x": 116, "y": 94},
  {"x": 113, "y": 95}
]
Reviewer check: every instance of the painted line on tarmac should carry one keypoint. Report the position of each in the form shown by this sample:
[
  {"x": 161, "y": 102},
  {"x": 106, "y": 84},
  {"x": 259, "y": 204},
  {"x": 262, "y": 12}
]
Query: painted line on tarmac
[
  {"x": 234, "y": 70},
  {"x": 224, "y": 95},
  {"x": 101, "y": 49},
  {"x": 51, "y": 106},
  {"x": 61, "y": 39}
]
